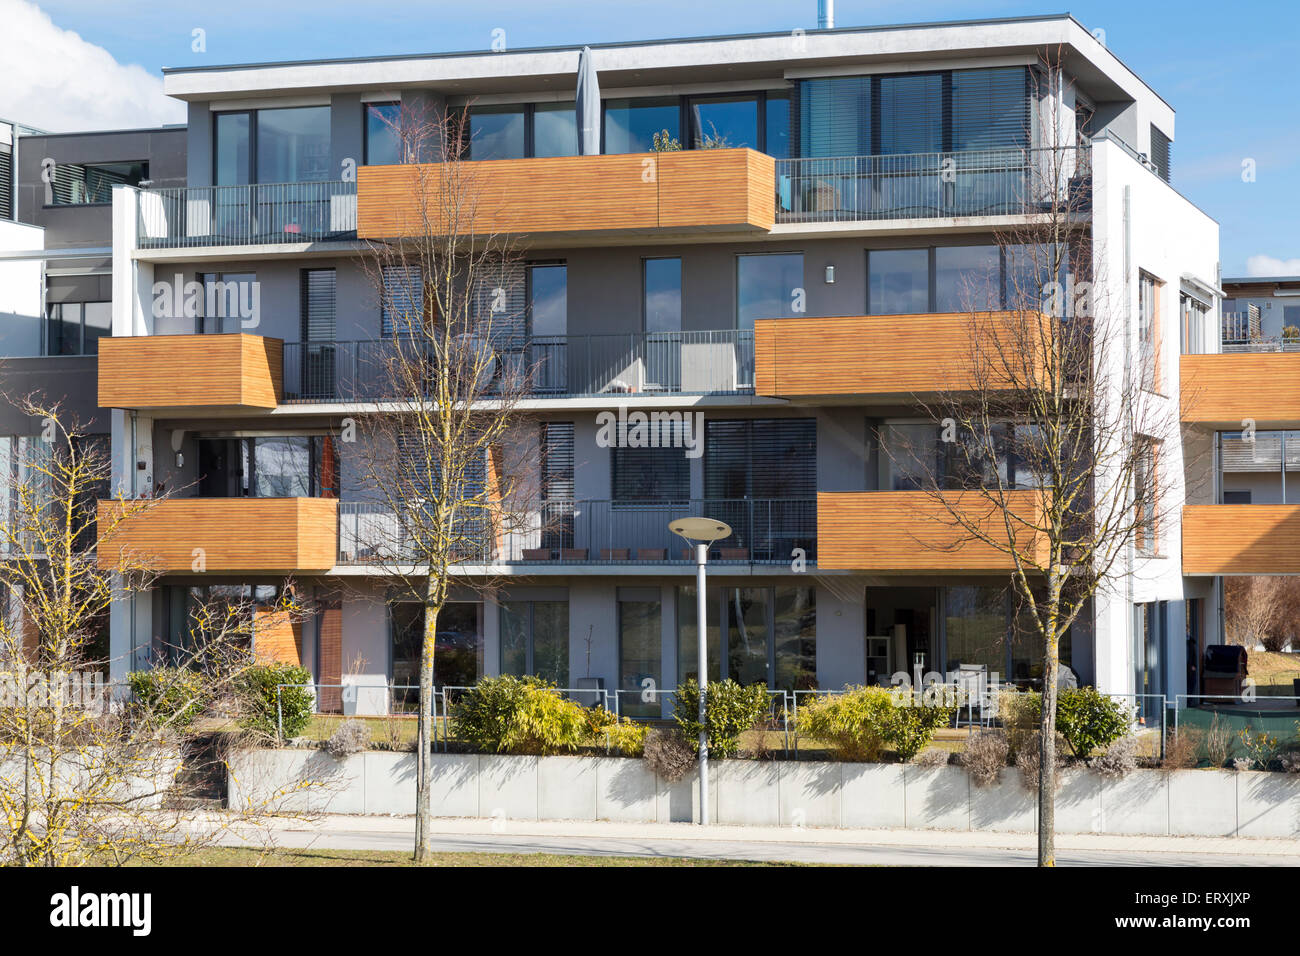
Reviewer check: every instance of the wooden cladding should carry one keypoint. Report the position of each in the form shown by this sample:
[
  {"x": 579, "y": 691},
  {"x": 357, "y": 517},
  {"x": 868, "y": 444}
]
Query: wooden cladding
[
  {"x": 1241, "y": 539},
  {"x": 280, "y": 535},
  {"x": 894, "y": 355},
  {"x": 187, "y": 371},
  {"x": 277, "y": 637},
  {"x": 723, "y": 190},
  {"x": 912, "y": 532},
  {"x": 1226, "y": 389}
]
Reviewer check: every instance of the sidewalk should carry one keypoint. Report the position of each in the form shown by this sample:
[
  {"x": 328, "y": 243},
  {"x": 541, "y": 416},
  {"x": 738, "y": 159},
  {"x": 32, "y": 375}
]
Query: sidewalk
[{"x": 813, "y": 836}]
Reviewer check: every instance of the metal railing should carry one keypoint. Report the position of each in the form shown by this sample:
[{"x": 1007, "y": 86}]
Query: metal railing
[
  {"x": 677, "y": 363},
  {"x": 981, "y": 182},
  {"x": 176, "y": 217},
  {"x": 585, "y": 531}
]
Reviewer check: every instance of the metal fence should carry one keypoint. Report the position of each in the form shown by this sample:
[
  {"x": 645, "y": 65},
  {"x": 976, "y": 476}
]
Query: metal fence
[
  {"x": 586, "y": 531},
  {"x": 982, "y": 182},
  {"x": 175, "y": 217},
  {"x": 673, "y": 363}
]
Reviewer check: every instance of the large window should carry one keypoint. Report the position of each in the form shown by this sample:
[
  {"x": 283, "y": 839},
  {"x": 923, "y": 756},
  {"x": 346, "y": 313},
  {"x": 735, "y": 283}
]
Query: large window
[
  {"x": 535, "y": 639},
  {"x": 228, "y": 299},
  {"x": 497, "y": 132},
  {"x": 1146, "y": 496},
  {"x": 649, "y": 475},
  {"x": 967, "y": 278},
  {"x": 286, "y": 466},
  {"x": 994, "y": 628},
  {"x": 640, "y": 658},
  {"x": 662, "y": 294},
  {"x": 898, "y": 281},
  {"x": 85, "y": 183},
  {"x": 1149, "y": 331},
  {"x": 75, "y": 328},
  {"x": 555, "y": 129},
  {"x": 724, "y": 121},
  {"x": 548, "y": 299},
  {"x": 770, "y": 635},
  {"x": 290, "y": 145},
  {"x": 915, "y": 456},
  {"x": 974, "y": 278},
  {"x": 458, "y": 648},
  {"x": 383, "y": 134},
  {"x": 760, "y": 458},
  {"x": 630, "y": 124},
  {"x": 768, "y": 286}
]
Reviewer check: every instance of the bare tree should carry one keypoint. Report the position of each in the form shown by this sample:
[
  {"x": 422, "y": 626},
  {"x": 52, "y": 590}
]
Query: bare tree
[
  {"x": 88, "y": 775},
  {"x": 1047, "y": 452},
  {"x": 1258, "y": 610},
  {"x": 441, "y": 455}
]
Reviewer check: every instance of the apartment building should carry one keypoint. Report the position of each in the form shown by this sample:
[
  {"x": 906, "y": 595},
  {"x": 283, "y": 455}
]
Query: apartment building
[{"x": 793, "y": 275}]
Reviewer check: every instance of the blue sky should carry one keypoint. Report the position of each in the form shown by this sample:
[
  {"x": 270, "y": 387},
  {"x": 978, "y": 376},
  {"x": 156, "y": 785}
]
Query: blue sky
[{"x": 1229, "y": 70}]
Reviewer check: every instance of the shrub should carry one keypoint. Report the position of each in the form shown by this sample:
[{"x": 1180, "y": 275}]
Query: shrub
[
  {"x": 1261, "y": 747},
  {"x": 267, "y": 711},
  {"x": 518, "y": 715},
  {"x": 1218, "y": 742},
  {"x": 624, "y": 737},
  {"x": 854, "y": 722},
  {"x": 934, "y": 757},
  {"x": 1240, "y": 763},
  {"x": 1027, "y": 761},
  {"x": 1020, "y": 714},
  {"x": 1291, "y": 761},
  {"x": 351, "y": 737},
  {"x": 732, "y": 710},
  {"x": 1183, "y": 749},
  {"x": 172, "y": 696},
  {"x": 1089, "y": 720},
  {"x": 910, "y": 729},
  {"x": 1119, "y": 759},
  {"x": 598, "y": 718},
  {"x": 986, "y": 755},
  {"x": 668, "y": 754}
]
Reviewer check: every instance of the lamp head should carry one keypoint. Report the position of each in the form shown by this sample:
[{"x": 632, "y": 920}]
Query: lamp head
[{"x": 706, "y": 530}]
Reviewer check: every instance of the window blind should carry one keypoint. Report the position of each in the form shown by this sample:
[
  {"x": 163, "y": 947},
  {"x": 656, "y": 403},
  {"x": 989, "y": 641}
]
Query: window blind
[
  {"x": 318, "y": 313},
  {"x": 990, "y": 108},
  {"x": 763, "y": 458},
  {"x": 1160, "y": 149},
  {"x": 403, "y": 297},
  {"x": 649, "y": 474}
]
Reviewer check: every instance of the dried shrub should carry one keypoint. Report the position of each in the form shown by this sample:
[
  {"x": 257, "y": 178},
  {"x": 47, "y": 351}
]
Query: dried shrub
[
  {"x": 1119, "y": 760},
  {"x": 1218, "y": 742},
  {"x": 934, "y": 757},
  {"x": 668, "y": 754},
  {"x": 1027, "y": 763},
  {"x": 986, "y": 755},
  {"x": 1183, "y": 749},
  {"x": 352, "y": 737},
  {"x": 1019, "y": 712},
  {"x": 1291, "y": 761},
  {"x": 1240, "y": 763}
]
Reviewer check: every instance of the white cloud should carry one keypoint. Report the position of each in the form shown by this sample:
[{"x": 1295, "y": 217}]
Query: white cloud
[
  {"x": 55, "y": 80},
  {"x": 1270, "y": 266}
]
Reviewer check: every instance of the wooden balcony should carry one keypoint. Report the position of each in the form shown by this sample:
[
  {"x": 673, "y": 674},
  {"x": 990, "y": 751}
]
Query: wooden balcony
[
  {"x": 235, "y": 372},
  {"x": 888, "y": 357},
  {"x": 696, "y": 191},
  {"x": 212, "y": 535},
  {"x": 1223, "y": 390},
  {"x": 910, "y": 532},
  {"x": 1241, "y": 539}
]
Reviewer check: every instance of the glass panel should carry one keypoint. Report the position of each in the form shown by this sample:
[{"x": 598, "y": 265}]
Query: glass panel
[
  {"x": 63, "y": 330},
  {"x": 898, "y": 281},
  {"x": 688, "y": 647},
  {"x": 458, "y": 652},
  {"x": 282, "y": 467},
  {"x": 293, "y": 145},
  {"x": 911, "y": 455},
  {"x": 967, "y": 278},
  {"x": 383, "y": 142},
  {"x": 548, "y": 299},
  {"x": 639, "y": 656},
  {"x": 232, "y": 165},
  {"x": 496, "y": 132},
  {"x": 663, "y": 295},
  {"x": 911, "y": 113},
  {"x": 724, "y": 122},
  {"x": 514, "y": 637},
  {"x": 778, "y": 125},
  {"x": 555, "y": 129},
  {"x": 551, "y": 641},
  {"x": 795, "y": 632},
  {"x": 977, "y": 627},
  {"x": 630, "y": 124},
  {"x": 406, "y": 631},
  {"x": 766, "y": 286},
  {"x": 748, "y": 627}
]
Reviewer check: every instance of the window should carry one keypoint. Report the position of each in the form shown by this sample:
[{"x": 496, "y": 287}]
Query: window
[
  {"x": 967, "y": 278},
  {"x": 1194, "y": 315},
  {"x": 992, "y": 627},
  {"x": 458, "y": 648},
  {"x": 649, "y": 475},
  {"x": 990, "y": 108},
  {"x": 548, "y": 299},
  {"x": 402, "y": 299},
  {"x": 318, "y": 305},
  {"x": 86, "y": 183},
  {"x": 1149, "y": 332},
  {"x": 497, "y": 132},
  {"x": 232, "y": 148},
  {"x": 383, "y": 134},
  {"x": 285, "y": 466},
  {"x": 639, "y": 650},
  {"x": 1146, "y": 497},
  {"x": 915, "y": 457},
  {"x": 776, "y": 126},
  {"x": 760, "y": 458},
  {"x": 724, "y": 121},
  {"x": 1290, "y": 319},
  {"x": 630, "y": 124},
  {"x": 770, "y": 635},
  {"x": 556, "y": 445},
  {"x": 75, "y": 328},
  {"x": 1161, "y": 147},
  {"x": 290, "y": 145},
  {"x": 228, "y": 299},
  {"x": 555, "y": 129},
  {"x": 662, "y": 294},
  {"x": 768, "y": 286},
  {"x": 911, "y": 109},
  {"x": 535, "y": 639},
  {"x": 898, "y": 281}
]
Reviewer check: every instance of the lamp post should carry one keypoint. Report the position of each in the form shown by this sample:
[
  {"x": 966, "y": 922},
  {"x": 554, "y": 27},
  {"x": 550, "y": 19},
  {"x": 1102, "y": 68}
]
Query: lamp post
[{"x": 700, "y": 533}]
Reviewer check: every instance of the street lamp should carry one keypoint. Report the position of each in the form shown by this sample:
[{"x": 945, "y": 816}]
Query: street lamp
[{"x": 700, "y": 533}]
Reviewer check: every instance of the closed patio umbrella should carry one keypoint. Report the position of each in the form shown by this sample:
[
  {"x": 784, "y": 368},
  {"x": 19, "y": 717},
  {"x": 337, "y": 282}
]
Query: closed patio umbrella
[{"x": 588, "y": 105}]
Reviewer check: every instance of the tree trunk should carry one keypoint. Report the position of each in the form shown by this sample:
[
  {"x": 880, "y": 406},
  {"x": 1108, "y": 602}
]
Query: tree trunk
[
  {"x": 1047, "y": 738},
  {"x": 424, "y": 727}
]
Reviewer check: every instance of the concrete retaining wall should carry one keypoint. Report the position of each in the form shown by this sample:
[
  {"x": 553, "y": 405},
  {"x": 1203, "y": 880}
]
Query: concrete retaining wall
[{"x": 777, "y": 793}]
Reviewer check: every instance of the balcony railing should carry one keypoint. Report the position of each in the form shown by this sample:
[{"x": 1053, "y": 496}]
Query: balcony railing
[
  {"x": 1241, "y": 333},
  {"x": 257, "y": 214},
  {"x": 982, "y": 182},
  {"x": 581, "y": 531},
  {"x": 678, "y": 363}
]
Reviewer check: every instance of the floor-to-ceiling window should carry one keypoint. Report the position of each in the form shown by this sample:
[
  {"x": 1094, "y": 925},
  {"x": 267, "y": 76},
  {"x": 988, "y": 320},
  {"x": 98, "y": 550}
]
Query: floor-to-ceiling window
[
  {"x": 535, "y": 639},
  {"x": 458, "y": 648},
  {"x": 767, "y": 635},
  {"x": 640, "y": 657},
  {"x": 768, "y": 286}
]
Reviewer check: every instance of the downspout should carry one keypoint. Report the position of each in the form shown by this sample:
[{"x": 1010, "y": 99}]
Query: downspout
[{"x": 1130, "y": 557}]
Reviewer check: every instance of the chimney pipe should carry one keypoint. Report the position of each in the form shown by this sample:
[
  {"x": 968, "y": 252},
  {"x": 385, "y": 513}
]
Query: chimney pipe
[{"x": 825, "y": 14}]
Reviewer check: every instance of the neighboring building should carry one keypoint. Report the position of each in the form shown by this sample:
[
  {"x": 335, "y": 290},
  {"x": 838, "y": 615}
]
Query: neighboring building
[
  {"x": 1258, "y": 310},
  {"x": 653, "y": 301}
]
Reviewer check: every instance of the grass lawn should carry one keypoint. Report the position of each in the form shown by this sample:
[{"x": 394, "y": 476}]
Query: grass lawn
[
  {"x": 240, "y": 856},
  {"x": 1273, "y": 671}
]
